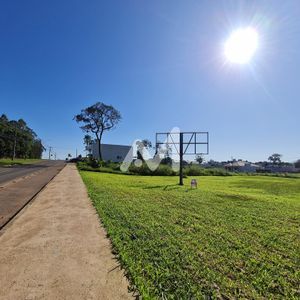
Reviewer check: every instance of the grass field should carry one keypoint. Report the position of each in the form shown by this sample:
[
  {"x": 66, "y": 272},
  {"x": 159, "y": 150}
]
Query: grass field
[
  {"x": 17, "y": 161},
  {"x": 233, "y": 237}
]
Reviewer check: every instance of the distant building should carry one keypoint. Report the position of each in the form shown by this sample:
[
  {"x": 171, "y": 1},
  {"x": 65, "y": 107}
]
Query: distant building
[
  {"x": 115, "y": 153},
  {"x": 242, "y": 166}
]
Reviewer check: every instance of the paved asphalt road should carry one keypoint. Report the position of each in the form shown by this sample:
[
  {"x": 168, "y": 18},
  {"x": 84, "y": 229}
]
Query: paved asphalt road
[
  {"x": 14, "y": 172},
  {"x": 19, "y": 184}
]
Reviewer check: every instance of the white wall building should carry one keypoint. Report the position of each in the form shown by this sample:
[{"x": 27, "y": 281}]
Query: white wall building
[{"x": 115, "y": 153}]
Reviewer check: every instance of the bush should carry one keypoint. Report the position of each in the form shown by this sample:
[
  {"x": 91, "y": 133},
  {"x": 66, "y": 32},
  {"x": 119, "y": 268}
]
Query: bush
[
  {"x": 162, "y": 170},
  {"x": 142, "y": 170},
  {"x": 167, "y": 161},
  {"x": 193, "y": 170},
  {"x": 94, "y": 163},
  {"x": 217, "y": 172}
]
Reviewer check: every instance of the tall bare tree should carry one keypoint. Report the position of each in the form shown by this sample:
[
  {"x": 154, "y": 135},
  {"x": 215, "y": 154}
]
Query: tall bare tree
[{"x": 97, "y": 119}]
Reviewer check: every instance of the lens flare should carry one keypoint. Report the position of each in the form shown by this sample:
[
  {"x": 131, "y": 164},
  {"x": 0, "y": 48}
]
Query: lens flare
[{"x": 241, "y": 45}]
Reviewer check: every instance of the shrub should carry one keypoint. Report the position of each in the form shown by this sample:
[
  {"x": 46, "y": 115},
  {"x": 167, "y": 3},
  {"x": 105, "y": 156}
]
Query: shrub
[
  {"x": 217, "y": 172},
  {"x": 142, "y": 170},
  {"x": 94, "y": 163},
  {"x": 193, "y": 171},
  {"x": 166, "y": 161},
  {"x": 162, "y": 170}
]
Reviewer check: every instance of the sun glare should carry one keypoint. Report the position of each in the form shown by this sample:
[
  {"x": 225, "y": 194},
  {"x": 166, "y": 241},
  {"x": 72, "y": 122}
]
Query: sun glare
[{"x": 241, "y": 45}]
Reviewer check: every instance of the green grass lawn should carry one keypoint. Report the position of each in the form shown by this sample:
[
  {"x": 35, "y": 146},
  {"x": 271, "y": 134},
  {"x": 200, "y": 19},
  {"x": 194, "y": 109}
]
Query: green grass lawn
[
  {"x": 233, "y": 237},
  {"x": 17, "y": 161}
]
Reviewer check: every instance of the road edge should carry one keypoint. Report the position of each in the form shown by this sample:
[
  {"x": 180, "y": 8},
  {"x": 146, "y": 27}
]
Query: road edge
[{"x": 11, "y": 218}]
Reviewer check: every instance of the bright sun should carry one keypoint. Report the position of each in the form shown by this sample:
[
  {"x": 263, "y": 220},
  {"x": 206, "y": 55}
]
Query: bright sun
[{"x": 241, "y": 45}]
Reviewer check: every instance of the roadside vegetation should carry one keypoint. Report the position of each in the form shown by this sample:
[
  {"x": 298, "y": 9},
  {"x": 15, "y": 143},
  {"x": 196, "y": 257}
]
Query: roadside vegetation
[
  {"x": 233, "y": 237},
  {"x": 162, "y": 170},
  {"x": 89, "y": 164},
  {"x": 18, "y": 140},
  {"x": 17, "y": 161}
]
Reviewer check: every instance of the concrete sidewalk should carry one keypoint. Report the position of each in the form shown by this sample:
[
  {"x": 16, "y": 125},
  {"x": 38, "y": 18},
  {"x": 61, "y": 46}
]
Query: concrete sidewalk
[{"x": 56, "y": 248}]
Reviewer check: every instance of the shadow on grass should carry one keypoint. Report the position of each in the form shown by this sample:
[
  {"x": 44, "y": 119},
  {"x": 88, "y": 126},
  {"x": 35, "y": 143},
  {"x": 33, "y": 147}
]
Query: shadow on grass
[{"x": 163, "y": 187}]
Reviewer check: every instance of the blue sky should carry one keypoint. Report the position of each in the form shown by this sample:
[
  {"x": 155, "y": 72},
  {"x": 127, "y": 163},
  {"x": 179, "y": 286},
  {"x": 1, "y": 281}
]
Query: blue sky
[{"x": 161, "y": 63}]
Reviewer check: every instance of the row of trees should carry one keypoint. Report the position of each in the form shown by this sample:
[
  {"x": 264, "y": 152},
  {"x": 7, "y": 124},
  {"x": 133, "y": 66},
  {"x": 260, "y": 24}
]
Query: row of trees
[
  {"x": 275, "y": 159},
  {"x": 17, "y": 140}
]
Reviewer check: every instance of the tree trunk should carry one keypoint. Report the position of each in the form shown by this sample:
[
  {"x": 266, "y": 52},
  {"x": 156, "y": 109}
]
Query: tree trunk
[
  {"x": 99, "y": 144},
  {"x": 15, "y": 144},
  {"x": 99, "y": 148}
]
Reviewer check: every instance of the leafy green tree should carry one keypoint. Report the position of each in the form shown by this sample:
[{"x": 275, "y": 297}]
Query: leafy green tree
[
  {"x": 37, "y": 149},
  {"x": 87, "y": 140},
  {"x": 199, "y": 159},
  {"x": 5, "y": 141},
  {"x": 18, "y": 140},
  {"x": 166, "y": 151},
  {"x": 97, "y": 119},
  {"x": 141, "y": 145},
  {"x": 275, "y": 158}
]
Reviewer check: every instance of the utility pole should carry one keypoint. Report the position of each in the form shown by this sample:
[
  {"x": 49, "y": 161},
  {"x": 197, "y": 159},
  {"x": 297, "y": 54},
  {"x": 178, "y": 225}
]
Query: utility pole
[
  {"x": 76, "y": 153},
  {"x": 50, "y": 149}
]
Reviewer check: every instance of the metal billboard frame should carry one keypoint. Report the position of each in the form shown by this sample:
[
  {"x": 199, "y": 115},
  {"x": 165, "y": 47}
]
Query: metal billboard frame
[{"x": 193, "y": 139}]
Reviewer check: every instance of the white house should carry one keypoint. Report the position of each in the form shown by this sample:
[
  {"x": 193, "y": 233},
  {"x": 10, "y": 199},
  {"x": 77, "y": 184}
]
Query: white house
[{"x": 115, "y": 153}]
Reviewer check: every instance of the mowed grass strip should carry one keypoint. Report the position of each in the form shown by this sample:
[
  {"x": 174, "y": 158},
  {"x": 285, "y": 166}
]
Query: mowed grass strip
[
  {"x": 17, "y": 161},
  {"x": 233, "y": 237}
]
